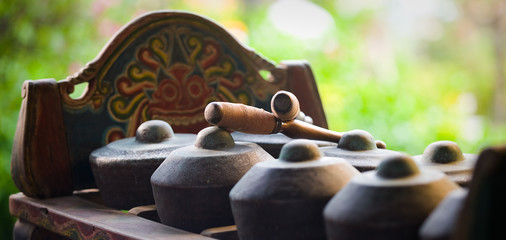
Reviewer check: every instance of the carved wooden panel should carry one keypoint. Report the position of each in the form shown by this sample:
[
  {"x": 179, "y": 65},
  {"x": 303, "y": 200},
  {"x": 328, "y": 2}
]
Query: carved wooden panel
[
  {"x": 167, "y": 66},
  {"x": 163, "y": 65}
]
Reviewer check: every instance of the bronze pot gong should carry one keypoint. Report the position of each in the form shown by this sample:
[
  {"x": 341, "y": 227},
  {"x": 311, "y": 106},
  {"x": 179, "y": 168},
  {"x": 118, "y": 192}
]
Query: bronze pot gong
[
  {"x": 390, "y": 203},
  {"x": 447, "y": 157},
  {"x": 284, "y": 198},
  {"x": 191, "y": 186},
  {"x": 122, "y": 168},
  {"x": 360, "y": 149}
]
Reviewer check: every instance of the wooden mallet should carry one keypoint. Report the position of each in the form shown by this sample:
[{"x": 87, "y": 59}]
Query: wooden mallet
[
  {"x": 248, "y": 119},
  {"x": 285, "y": 107}
]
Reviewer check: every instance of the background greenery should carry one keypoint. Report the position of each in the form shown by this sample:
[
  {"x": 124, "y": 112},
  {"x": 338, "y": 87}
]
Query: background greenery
[{"x": 410, "y": 72}]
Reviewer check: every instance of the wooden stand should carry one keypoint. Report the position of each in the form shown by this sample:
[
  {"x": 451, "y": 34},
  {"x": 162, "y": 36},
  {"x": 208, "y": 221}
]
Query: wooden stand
[
  {"x": 165, "y": 65},
  {"x": 77, "y": 218}
]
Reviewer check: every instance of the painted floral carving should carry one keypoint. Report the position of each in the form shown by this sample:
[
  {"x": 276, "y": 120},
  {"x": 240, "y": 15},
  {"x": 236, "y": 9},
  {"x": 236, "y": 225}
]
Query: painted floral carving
[{"x": 172, "y": 78}]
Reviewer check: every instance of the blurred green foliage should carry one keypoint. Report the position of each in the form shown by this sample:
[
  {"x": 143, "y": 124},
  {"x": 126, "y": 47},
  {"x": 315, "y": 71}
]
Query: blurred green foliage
[
  {"x": 38, "y": 39},
  {"x": 412, "y": 96}
]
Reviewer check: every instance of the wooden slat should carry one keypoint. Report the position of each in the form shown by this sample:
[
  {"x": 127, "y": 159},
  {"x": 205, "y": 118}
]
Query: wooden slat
[
  {"x": 77, "y": 218},
  {"x": 302, "y": 84},
  {"x": 40, "y": 166}
]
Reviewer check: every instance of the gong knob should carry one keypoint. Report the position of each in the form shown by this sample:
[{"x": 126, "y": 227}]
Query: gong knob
[{"x": 153, "y": 131}]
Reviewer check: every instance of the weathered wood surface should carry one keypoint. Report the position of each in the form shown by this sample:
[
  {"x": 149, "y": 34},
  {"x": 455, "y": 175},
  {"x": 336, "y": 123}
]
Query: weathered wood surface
[
  {"x": 164, "y": 65},
  {"x": 484, "y": 210},
  {"x": 147, "y": 212},
  {"x": 26, "y": 231},
  {"x": 226, "y": 232},
  {"x": 40, "y": 160},
  {"x": 77, "y": 218},
  {"x": 301, "y": 83}
]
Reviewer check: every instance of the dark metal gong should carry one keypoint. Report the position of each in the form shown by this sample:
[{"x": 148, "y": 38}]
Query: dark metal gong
[
  {"x": 360, "y": 149},
  {"x": 284, "y": 198},
  {"x": 191, "y": 186},
  {"x": 447, "y": 157},
  {"x": 390, "y": 203},
  {"x": 122, "y": 169}
]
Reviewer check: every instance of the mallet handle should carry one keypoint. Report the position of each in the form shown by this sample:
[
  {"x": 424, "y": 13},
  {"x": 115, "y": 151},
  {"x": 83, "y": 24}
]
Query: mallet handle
[
  {"x": 301, "y": 129},
  {"x": 242, "y": 118},
  {"x": 248, "y": 119}
]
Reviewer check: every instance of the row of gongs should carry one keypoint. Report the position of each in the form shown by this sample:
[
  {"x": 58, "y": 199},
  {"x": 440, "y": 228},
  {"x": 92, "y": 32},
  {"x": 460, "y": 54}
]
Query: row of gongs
[{"x": 279, "y": 198}]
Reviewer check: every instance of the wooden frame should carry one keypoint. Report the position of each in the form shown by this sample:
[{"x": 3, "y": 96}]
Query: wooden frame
[
  {"x": 163, "y": 65},
  {"x": 73, "y": 217}
]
